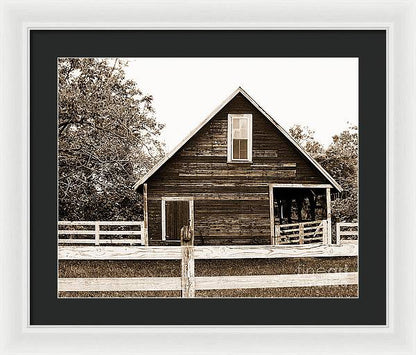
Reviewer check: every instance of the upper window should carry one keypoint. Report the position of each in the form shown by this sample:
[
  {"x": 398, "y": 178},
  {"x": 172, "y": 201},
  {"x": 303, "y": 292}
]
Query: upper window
[{"x": 239, "y": 137}]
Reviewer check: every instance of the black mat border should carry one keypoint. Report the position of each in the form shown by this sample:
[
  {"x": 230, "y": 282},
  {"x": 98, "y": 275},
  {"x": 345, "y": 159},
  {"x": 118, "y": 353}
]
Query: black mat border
[{"x": 368, "y": 45}]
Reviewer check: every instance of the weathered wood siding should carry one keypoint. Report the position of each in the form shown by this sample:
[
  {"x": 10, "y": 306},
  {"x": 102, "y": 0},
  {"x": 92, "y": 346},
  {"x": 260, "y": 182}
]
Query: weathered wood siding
[{"x": 231, "y": 199}]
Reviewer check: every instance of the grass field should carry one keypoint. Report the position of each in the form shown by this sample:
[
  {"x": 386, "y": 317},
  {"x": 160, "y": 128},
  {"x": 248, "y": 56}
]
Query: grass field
[{"x": 172, "y": 268}]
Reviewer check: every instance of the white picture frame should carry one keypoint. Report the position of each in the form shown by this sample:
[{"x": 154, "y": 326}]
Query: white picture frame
[{"x": 398, "y": 17}]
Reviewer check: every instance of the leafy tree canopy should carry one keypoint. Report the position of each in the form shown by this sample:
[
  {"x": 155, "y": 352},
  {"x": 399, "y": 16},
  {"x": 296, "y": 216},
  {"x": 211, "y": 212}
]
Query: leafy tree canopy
[
  {"x": 306, "y": 138},
  {"x": 108, "y": 138},
  {"x": 340, "y": 159}
]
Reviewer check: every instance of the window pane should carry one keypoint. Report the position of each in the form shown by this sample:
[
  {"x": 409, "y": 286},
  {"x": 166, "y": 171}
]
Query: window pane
[
  {"x": 243, "y": 148},
  {"x": 243, "y": 128},
  {"x": 236, "y": 133},
  {"x": 236, "y": 149},
  {"x": 236, "y": 122},
  {"x": 240, "y": 149},
  {"x": 240, "y": 128}
]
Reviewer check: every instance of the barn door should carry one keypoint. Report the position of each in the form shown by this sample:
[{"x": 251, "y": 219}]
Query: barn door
[{"x": 177, "y": 214}]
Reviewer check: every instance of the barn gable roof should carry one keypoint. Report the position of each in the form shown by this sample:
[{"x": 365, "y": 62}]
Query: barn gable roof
[{"x": 212, "y": 114}]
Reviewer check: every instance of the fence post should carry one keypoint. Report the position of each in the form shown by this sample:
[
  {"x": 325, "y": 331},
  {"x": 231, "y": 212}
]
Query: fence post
[
  {"x": 338, "y": 236},
  {"x": 145, "y": 225},
  {"x": 188, "y": 262},
  {"x": 328, "y": 214},
  {"x": 277, "y": 234},
  {"x": 271, "y": 211},
  {"x": 97, "y": 233},
  {"x": 301, "y": 231},
  {"x": 325, "y": 231}
]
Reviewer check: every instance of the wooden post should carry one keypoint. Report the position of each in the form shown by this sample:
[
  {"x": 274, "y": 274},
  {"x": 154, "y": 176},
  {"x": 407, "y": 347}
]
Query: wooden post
[
  {"x": 301, "y": 231},
  {"x": 97, "y": 233},
  {"x": 277, "y": 236},
  {"x": 188, "y": 262},
  {"x": 191, "y": 217},
  {"x": 163, "y": 214},
  {"x": 145, "y": 234},
  {"x": 338, "y": 236},
  {"x": 325, "y": 231},
  {"x": 271, "y": 206},
  {"x": 328, "y": 214}
]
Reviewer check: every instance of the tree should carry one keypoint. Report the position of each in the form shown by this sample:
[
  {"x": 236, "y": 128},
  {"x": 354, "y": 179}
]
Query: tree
[
  {"x": 108, "y": 138},
  {"x": 306, "y": 138},
  {"x": 340, "y": 159}
]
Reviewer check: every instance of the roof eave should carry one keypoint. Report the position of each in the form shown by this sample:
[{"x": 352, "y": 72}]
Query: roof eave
[
  {"x": 293, "y": 141},
  {"x": 186, "y": 139},
  {"x": 212, "y": 114}
]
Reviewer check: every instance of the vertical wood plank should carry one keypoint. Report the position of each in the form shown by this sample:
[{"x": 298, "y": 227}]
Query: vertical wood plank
[
  {"x": 250, "y": 137},
  {"x": 188, "y": 262},
  {"x": 325, "y": 232},
  {"x": 272, "y": 235},
  {"x": 229, "y": 143},
  {"x": 328, "y": 213},
  {"x": 145, "y": 231},
  {"x": 338, "y": 236},
  {"x": 163, "y": 219},
  {"x": 97, "y": 233},
  {"x": 301, "y": 231},
  {"x": 191, "y": 216},
  {"x": 277, "y": 235}
]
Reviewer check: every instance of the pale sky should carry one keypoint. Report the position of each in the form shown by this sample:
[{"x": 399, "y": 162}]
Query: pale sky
[{"x": 321, "y": 93}]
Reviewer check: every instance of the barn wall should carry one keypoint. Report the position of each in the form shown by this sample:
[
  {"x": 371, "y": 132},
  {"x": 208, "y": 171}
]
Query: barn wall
[{"x": 231, "y": 199}]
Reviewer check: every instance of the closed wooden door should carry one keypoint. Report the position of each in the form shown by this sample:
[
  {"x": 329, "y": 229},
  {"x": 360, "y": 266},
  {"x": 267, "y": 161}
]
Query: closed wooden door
[{"x": 177, "y": 216}]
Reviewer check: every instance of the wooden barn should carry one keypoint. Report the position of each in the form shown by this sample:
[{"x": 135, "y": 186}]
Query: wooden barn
[{"x": 238, "y": 178}]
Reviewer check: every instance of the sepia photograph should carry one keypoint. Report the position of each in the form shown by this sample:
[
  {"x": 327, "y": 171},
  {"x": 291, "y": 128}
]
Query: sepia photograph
[
  {"x": 177, "y": 180},
  {"x": 208, "y": 177}
]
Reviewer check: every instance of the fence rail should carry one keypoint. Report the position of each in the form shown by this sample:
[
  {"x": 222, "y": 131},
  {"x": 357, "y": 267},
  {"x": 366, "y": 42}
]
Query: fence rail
[
  {"x": 188, "y": 283},
  {"x": 347, "y": 236},
  {"x": 208, "y": 282},
  {"x": 67, "y": 252},
  {"x": 98, "y": 235},
  {"x": 302, "y": 233}
]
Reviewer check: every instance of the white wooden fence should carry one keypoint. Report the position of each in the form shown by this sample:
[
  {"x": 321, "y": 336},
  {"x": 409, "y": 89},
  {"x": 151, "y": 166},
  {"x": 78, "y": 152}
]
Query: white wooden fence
[
  {"x": 347, "y": 233},
  {"x": 69, "y": 252},
  {"x": 207, "y": 282},
  {"x": 188, "y": 283},
  {"x": 301, "y": 233},
  {"x": 93, "y": 232}
]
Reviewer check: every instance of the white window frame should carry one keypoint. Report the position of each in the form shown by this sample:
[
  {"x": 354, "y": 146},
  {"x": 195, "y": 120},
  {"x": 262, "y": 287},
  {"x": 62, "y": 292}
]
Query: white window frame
[{"x": 230, "y": 138}]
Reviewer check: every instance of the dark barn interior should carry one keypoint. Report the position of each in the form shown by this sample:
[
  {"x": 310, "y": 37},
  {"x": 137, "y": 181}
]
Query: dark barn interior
[{"x": 299, "y": 205}]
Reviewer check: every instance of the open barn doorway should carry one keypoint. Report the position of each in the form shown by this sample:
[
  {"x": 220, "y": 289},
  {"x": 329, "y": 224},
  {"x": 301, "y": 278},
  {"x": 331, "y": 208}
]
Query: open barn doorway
[
  {"x": 177, "y": 212},
  {"x": 300, "y": 213}
]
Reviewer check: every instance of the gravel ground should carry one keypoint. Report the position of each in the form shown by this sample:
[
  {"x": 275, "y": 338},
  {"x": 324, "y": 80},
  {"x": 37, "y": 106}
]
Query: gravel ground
[{"x": 172, "y": 268}]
